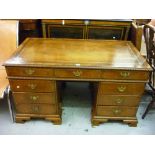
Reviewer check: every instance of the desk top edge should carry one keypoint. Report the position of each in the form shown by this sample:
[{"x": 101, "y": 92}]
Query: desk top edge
[{"x": 19, "y": 49}]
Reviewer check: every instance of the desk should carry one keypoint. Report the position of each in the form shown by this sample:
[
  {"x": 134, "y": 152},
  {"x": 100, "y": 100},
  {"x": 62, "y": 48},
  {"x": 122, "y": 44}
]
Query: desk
[{"x": 116, "y": 68}]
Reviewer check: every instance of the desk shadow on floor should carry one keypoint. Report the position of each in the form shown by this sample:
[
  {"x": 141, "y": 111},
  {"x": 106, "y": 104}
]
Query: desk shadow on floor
[{"x": 76, "y": 94}]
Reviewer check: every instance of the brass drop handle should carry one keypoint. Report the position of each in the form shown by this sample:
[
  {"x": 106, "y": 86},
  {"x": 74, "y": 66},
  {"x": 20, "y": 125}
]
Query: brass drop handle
[
  {"x": 32, "y": 86},
  {"x": 117, "y": 111},
  {"x": 29, "y": 71},
  {"x": 35, "y": 108},
  {"x": 121, "y": 88},
  {"x": 125, "y": 74},
  {"x": 34, "y": 98},
  {"x": 77, "y": 73},
  {"x": 119, "y": 101}
]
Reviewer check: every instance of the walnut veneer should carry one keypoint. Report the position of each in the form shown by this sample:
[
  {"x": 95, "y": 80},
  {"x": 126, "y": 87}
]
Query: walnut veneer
[{"x": 116, "y": 68}]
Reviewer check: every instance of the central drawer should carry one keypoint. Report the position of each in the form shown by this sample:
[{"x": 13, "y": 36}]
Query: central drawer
[
  {"x": 112, "y": 88},
  {"x": 32, "y": 98},
  {"x": 32, "y": 85},
  {"x": 116, "y": 111},
  {"x": 44, "y": 109},
  {"x": 77, "y": 73}
]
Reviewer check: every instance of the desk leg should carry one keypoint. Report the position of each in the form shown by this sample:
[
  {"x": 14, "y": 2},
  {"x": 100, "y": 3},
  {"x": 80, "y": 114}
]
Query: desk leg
[{"x": 97, "y": 122}]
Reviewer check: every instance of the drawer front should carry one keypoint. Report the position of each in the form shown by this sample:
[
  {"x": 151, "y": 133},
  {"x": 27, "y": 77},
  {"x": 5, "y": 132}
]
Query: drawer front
[
  {"x": 77, "y": 73},
  {"x": 125, "y": 75},
  {"x": 110, "y": 88},
  {"x": 30, "y": 98},
  {"x": 32, "y": 85},
  {"x": 29, "y": 71},
  {"x": 46, "y": 109},
  {"x": 116, "y": 111},
  {"x": 116, "y": 100}
]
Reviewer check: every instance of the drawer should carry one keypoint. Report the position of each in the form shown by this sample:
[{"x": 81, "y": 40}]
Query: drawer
[
  {"x": 111, "y": 88},
  {"x": 116, "y": 111},
  {"x": 29, "y": 98},
  {"x": 45, "y": 109},
  {"x": 29, "y": 71},
  {"x": 32, "y": 85},
  {"x": 123, "y": 100},
  {"x": 125, "y": 75},
  {"x": 77, "y": 73}
]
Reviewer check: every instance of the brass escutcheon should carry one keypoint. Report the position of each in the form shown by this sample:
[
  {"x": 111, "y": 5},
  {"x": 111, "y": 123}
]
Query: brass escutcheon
[
  {"x": 125, "y": 74},
  {"x": 77, "y": 73},
  {"x": 117, "y": 111},
  {"x": 35, "y": 108},
  {"x": 119, "y": 100},
  {"x": 121, "y": 88},
  {"x": 32, "y": 86},
  {"x": 34, "y": 98},
  {"x": 29, "y": 71}
]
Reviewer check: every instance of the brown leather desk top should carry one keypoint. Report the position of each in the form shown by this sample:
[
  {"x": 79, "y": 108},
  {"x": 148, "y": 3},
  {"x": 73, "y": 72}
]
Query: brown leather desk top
[{"x": 78, "y": 53}]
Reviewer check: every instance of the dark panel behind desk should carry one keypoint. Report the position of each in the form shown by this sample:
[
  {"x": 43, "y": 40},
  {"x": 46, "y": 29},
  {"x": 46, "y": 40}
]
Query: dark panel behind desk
[{"x": 29, "y": 28}]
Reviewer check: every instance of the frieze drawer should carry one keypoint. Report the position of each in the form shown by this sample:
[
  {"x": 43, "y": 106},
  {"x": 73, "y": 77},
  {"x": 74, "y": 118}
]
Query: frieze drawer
[
  {"x": 125, "y": 75},
  {"x": 77, "y": 73},
  {"x": 29, "y": 71},
  {"x": 32, "y": 85}
]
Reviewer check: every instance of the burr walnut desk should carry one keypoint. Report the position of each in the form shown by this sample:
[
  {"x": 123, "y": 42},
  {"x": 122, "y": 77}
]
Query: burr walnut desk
[{"x": 116, "y": 68}]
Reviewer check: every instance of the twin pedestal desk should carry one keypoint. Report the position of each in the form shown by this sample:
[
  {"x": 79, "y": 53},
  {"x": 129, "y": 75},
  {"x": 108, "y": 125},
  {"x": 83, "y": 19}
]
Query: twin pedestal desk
[{"x": 116, "y": 70}]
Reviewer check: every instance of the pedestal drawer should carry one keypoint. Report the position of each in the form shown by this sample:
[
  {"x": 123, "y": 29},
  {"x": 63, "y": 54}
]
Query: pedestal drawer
[
  {"x": 77, "y": 73},
  {"x": 29, "y": 71},
  {"x": 111, "y": 88},
  {"x": 32, "y": 85},
  {"x": 122, "y": 100},
  {"x": 29, "y": 98},
  {"x": 116, "y": 111},
  {"x": 44, "y": 109},
  {"x": 125, "y": 75}
]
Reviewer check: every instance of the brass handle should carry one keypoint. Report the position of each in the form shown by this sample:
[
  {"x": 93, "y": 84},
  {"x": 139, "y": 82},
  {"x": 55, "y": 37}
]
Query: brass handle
[
  {"x": 34, "y": 98},
  {"x": 119, "y": 100},
  {"x": 29, "y": 71},
  {"x": 35, "y": 108},
  {"x": 32, "y": 86},
  {"x": 121, "y": 88},
  {"x": 77, "y": 73},
  {"x": 125, "y": 74},
  {"x": 117, "y": 111}
]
